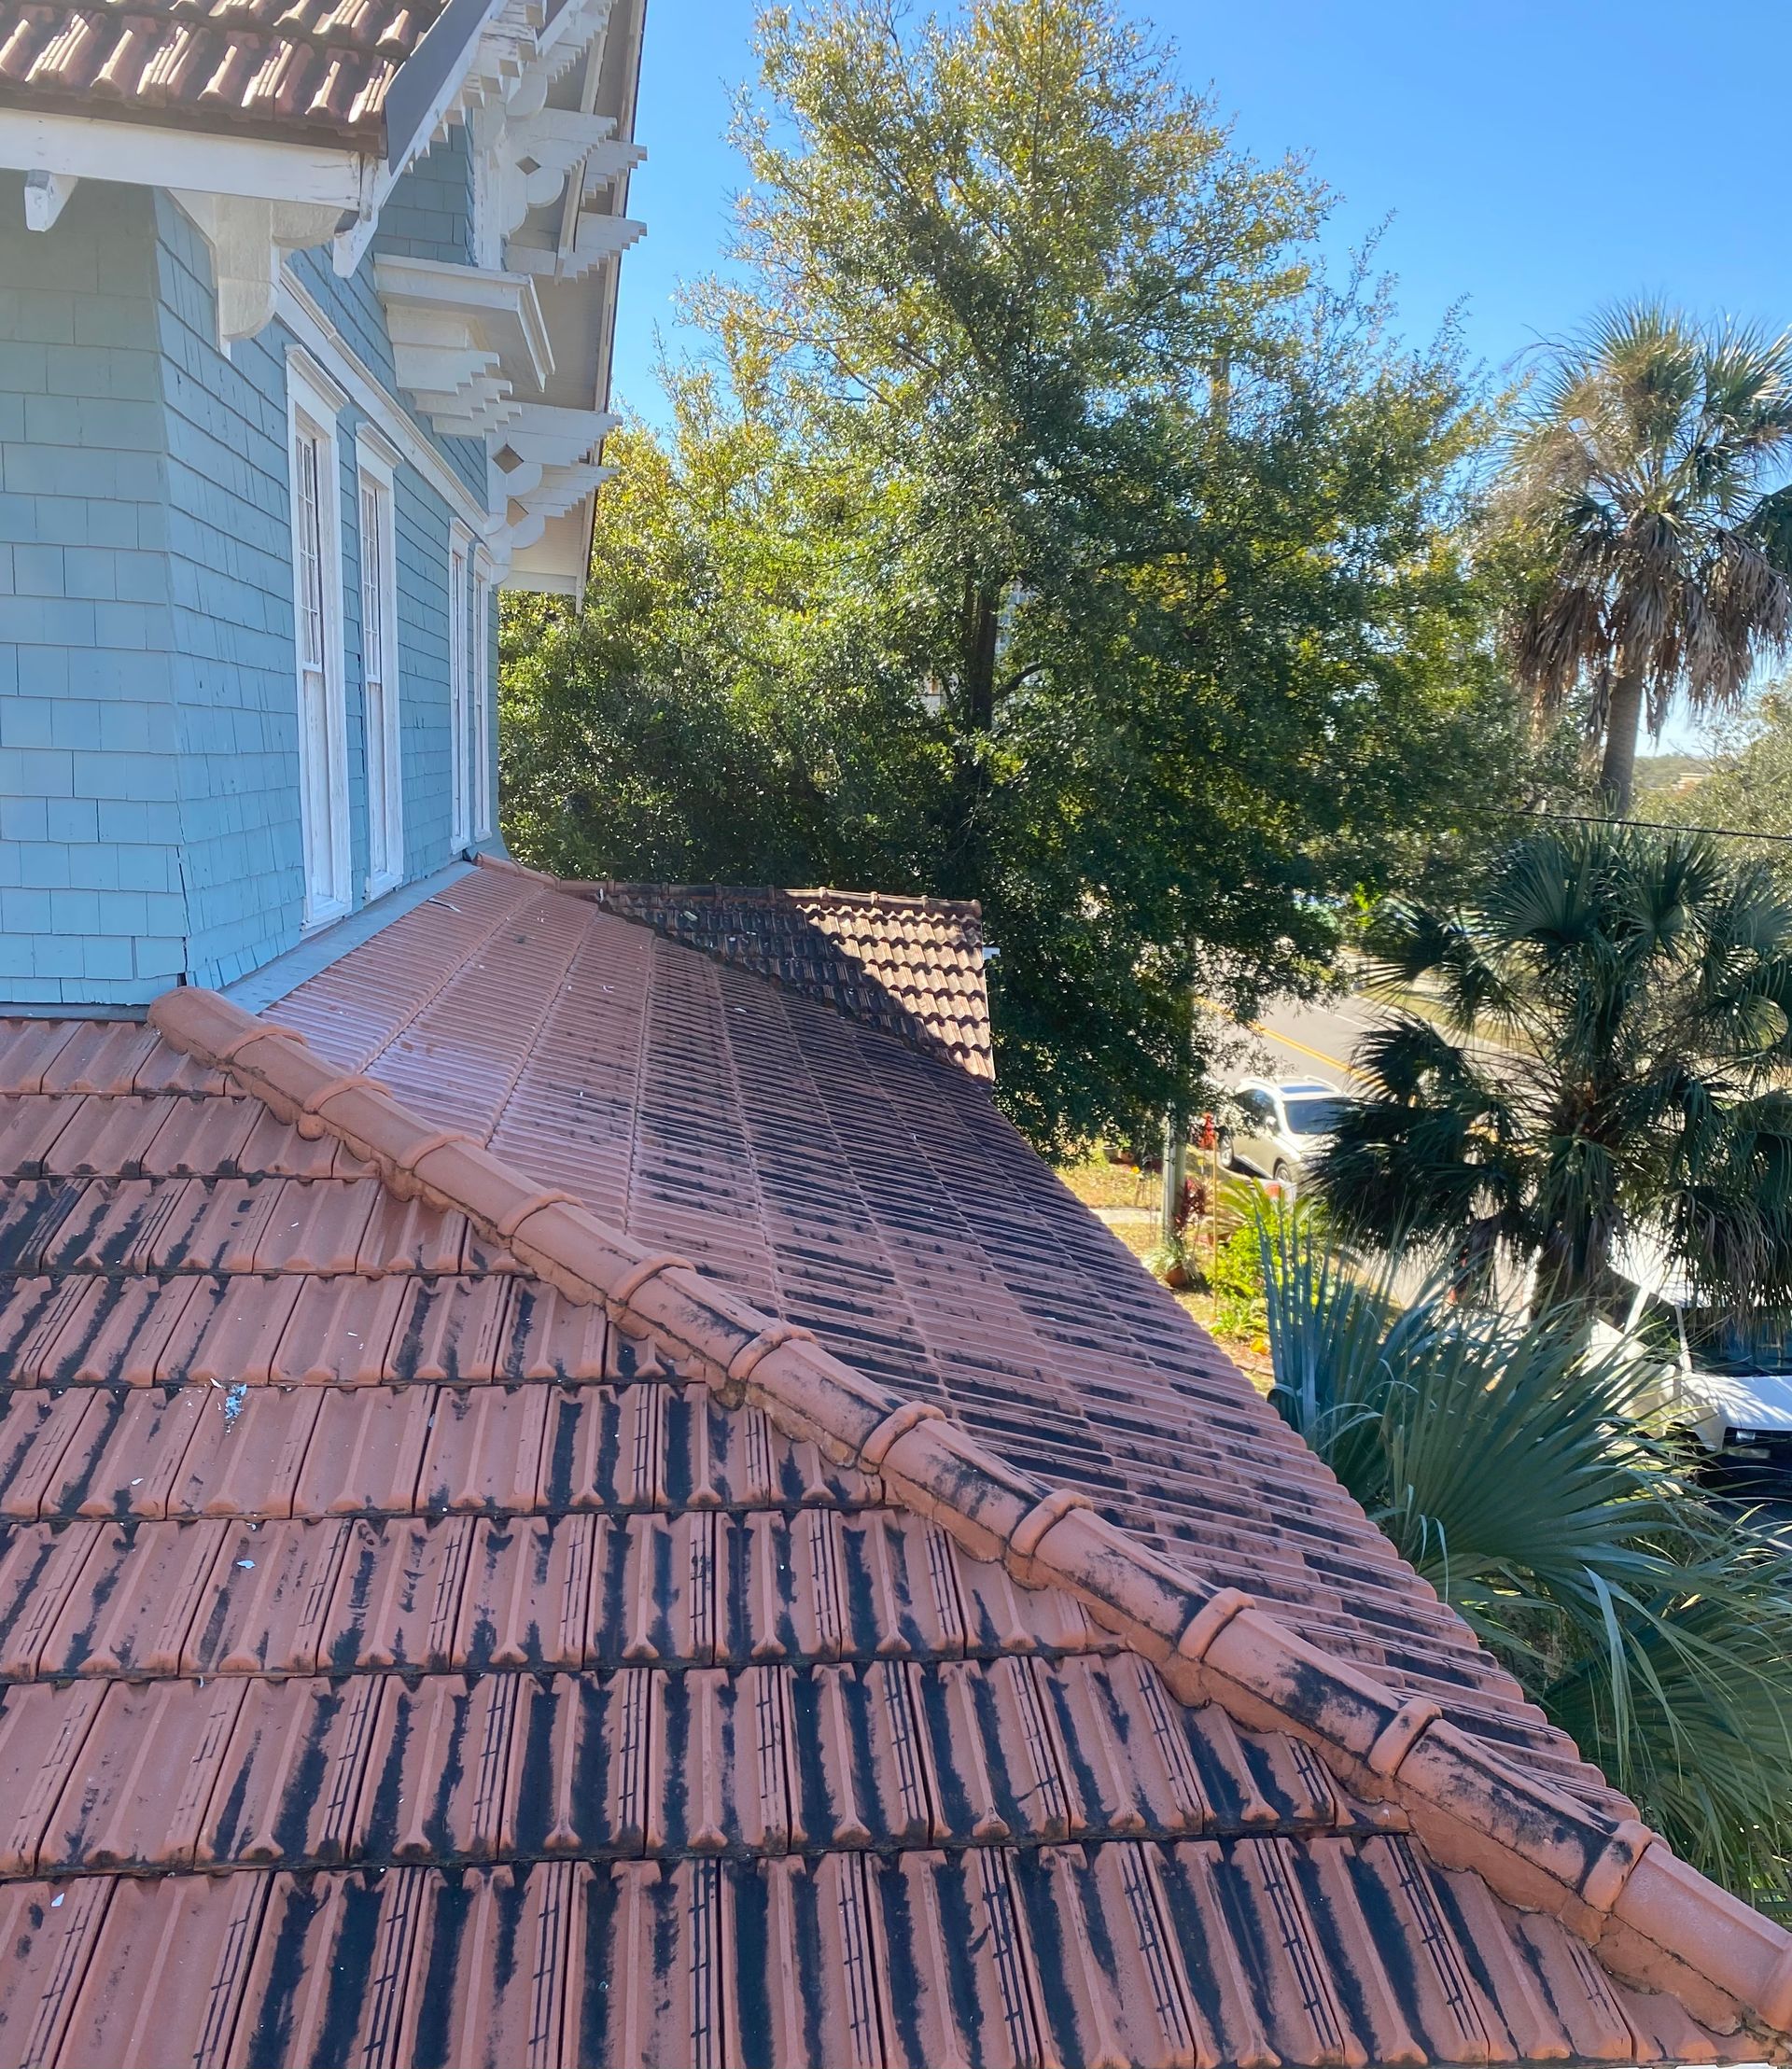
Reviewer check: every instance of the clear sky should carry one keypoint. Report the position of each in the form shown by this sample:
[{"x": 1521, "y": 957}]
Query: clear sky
[{"x": 1536, "y": 156}]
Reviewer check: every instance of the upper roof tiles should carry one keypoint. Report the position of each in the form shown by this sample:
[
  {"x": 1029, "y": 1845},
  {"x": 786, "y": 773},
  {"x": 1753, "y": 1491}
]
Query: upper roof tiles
[
  {"x": 911, "y": 967},
  {"x": 310, "y": 70}
]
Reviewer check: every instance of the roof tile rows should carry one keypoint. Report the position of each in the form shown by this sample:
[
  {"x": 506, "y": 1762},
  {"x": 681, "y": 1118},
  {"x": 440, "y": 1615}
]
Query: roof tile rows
[
  {"x": 911, "y": 966},
  {"x": 586, "y": 1664},
  {"x": 317, "y": 70},
  {"x": 841, "y": 1182}
]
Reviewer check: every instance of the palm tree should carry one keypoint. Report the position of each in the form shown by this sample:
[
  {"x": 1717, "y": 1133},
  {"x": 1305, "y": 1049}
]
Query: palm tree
[
  {"x": 1643, "y": 484},
  {"x": 1651, "y": 1623},
  {"x": 1640, "y": 987}
]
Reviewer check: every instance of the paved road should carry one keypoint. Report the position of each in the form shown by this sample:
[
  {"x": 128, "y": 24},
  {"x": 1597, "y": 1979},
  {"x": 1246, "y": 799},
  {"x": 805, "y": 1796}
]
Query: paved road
[{"x": 1311, "y": 1042}]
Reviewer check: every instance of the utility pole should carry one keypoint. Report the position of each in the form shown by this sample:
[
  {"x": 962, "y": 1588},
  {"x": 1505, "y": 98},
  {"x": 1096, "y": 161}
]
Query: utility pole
[{"x": 1176, "y": 1120}]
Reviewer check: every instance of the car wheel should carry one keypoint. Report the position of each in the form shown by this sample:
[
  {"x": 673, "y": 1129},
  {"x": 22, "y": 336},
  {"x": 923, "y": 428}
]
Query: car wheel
[
  {"x": 1285, "y": 1176},
  {"x": 1222, "y": 1148}
]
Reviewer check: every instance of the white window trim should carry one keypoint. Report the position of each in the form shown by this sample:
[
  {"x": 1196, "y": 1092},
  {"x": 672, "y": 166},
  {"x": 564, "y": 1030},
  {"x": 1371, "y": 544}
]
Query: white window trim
[
  {"x": 460, "y": 773},
  {"x": 315, "y": 399},
  {"x": 485, "y": 716},
  {"x": 373, "y": 468}
]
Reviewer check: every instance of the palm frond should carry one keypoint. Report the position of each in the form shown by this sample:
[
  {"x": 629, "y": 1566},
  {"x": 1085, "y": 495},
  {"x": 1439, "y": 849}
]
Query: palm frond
[{"x": 1518, "y": 1474}]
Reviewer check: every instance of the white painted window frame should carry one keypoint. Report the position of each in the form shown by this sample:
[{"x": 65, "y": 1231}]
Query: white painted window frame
[
  {"x": 461, "y": 771},
  {"x": 381, "y": 693},
  {"x": 485, "y": 718},
  {"x": 313, "y": 402}
]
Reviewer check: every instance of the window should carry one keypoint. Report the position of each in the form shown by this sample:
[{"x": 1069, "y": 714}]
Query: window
[
  {"x": 380, "y": 675},
  {"x": 481, "y": 680},
  {"x": 460, "y": 830},
  {"x": 317, "y": 592}
]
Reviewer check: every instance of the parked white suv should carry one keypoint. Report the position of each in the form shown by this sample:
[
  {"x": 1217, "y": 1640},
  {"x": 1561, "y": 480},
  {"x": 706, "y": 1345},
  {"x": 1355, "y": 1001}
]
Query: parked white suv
[
  {"x": 1726, "y": 1384},
  {"x": 1278, "y": 1127}
]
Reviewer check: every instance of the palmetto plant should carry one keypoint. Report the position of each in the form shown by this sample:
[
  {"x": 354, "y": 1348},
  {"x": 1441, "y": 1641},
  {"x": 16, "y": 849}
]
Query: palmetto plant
[
  {"x": 1646, "y": 483},
  {"x": 1639, "y": 985},
  {"x": 1651, "y": 1624}
]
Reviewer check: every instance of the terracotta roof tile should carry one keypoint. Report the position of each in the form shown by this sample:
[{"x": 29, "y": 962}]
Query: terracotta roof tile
[
  {"x": 311, "y": 73},
  {"x": 411, "y": 1643},
  {"x": 912, "y": 967}
]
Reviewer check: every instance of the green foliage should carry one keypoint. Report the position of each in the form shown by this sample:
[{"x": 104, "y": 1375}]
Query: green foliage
[
  {"x": 1649, "y": 1622},
  {"x": 1749, "y": 786},
  {"x": 1645, "y": 979},
  {"x": 1234, "y": 1279},
  {"x": 1648, "y": 490},
  {"x": 1046, "y": 532}
]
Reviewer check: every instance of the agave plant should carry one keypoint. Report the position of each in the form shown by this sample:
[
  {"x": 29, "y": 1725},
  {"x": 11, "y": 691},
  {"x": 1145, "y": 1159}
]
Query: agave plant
[{"x": 1516, "y": 1472}]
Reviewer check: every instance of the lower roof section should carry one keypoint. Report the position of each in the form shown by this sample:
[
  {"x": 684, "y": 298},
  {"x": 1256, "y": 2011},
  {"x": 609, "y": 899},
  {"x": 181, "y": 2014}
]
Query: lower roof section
[
  {"x": 414, "y": 1652},
  {"x": 1251, "y": 1952}
]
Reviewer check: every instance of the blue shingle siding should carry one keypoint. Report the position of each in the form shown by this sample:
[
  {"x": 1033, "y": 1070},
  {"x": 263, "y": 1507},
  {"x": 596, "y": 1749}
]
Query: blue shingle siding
[
  {"x": 150, "y": 818},
  {"x": 85, "y": 608},
  {"x": 429, "y": 213}
]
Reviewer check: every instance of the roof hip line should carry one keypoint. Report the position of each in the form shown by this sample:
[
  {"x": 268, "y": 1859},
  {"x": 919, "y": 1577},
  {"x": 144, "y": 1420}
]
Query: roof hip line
[{"x": 1657, "y": 1922}]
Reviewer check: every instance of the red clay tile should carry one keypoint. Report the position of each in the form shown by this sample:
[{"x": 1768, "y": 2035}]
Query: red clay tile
[
  {"x": 28, "y": 1132},
  {"x": 528, "y": 1600},
  {"x": 118, "y": 1330},
  {"x": 30, "y": 1214},
  {"x": 485, "y": 1451},
  {"x": 495, "y": 1972},
  {"x": 437, "y": 1767},
  {"x": 448, "y": 1329},
  {"x": 149, "y": 1759},
  {"x": 396, "y": 1601},
  {"x": 167, "y": 1973},
  {"x": 213, "y": 1225},
  {"x": 228, "y": 1331},
  {"x": 265, "y": 1607},
  {"x": 128, "y": 1610},
  {"x": 248, "y": 1447},
  {"x": 341, "y": 1331},
  {"x": 318, "y": 1225},
  {"x": 857, "y": 1753},
  {"x": 289, "y": 1779},
  {"x": 28, "y": 1048},
  {"x": 103, "y": 1136},
  {"x": 100, "y": 1055},
  {"x": 49, "y": 1944},
  {"x": 366, "y": 1450}
]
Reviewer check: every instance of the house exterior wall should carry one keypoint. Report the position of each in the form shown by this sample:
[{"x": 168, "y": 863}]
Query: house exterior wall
[
  {"x": 149, "y": 815},
  {"x": 91, "y": 899}
]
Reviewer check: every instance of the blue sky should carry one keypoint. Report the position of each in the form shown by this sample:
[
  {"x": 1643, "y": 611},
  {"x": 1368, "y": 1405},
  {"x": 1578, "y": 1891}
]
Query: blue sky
[{"x": 1536, "y": 160}]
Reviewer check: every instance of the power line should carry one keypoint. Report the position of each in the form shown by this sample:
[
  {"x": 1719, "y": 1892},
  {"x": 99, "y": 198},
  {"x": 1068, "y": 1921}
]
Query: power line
[{"x": 1660, "y": 826}]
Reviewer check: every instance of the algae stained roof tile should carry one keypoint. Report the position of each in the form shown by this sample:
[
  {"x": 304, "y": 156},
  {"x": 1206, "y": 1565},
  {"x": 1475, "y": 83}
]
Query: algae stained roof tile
[{"x": 403, "y": 1656}]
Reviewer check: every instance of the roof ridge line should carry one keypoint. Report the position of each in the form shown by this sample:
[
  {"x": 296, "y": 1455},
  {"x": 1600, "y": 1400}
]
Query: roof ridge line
[
  {"x": 1657, "y": 1922},
  {"x": 595, "y": 889}
]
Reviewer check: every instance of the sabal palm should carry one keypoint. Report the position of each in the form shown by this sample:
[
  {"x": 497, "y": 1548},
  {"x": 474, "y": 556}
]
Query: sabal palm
[
  {"x": 1648, "y": 481},
  {"x": 1650, "y": 1623},
  {"x": 1641, "y": 984}
]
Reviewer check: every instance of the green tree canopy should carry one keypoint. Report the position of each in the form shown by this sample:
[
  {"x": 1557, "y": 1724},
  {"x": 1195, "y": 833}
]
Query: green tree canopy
[
  {"x": 1749, "y": 786},
  {"x": 1640, "y": 986},
  {"x": 1044, "y": 531}
]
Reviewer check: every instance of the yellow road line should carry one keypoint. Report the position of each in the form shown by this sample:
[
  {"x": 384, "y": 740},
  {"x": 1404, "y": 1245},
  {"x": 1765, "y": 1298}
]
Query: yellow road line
[{"x": 1318, "y": 1055}]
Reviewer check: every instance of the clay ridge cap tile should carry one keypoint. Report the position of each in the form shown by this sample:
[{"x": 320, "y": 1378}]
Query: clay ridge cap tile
[{"x": 1657, "y": 1922}]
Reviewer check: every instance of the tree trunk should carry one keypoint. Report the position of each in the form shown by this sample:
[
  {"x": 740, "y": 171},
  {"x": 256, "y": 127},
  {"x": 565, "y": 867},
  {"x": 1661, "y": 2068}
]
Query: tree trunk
[
  {"x": 1623, "y": 721},
  {"x": 982, "y": 622}
]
